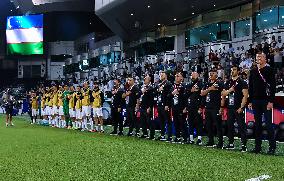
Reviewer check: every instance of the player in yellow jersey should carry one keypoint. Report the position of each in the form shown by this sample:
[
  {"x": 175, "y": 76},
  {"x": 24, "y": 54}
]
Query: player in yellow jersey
[
  {"x": 61, "y": 121},
  {"x": 34, "y": 103},
  {"x": 78, "y": 107},
  {"x": 42, "y": 104},
  {"x": 72, "y": 111},
  {"x": 48, "y": 106},
  {"x": 54, "y": 110},
  {"x": 98, "y": 100},
  {"x": 86, "y": 106}
]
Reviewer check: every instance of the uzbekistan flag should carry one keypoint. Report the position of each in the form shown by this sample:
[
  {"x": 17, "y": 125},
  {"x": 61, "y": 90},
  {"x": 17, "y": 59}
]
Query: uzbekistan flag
[{"x": 25, "y": 35}]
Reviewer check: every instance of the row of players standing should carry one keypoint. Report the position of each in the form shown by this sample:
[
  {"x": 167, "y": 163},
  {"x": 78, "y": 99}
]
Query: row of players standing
[
  {"x": 183, "y": 105},
  {"x": 69, "y": 107}
]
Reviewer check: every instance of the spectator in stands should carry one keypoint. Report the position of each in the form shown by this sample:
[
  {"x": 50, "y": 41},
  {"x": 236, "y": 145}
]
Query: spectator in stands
[
  {"x": 220, "y": 72},
  {"x": 251, "y": 50},
  {"x": 246, "y": 63},
  {"x": 277, "y": 58},
  {"x": 231, "y": 50}
]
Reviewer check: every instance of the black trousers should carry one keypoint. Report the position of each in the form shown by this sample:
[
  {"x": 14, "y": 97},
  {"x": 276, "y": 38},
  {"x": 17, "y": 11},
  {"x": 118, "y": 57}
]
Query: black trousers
[
  {"x": 116, "y": 119},
  {"x": 180, "y": 123},
  {"x": 164, "y": 117},
  {"x": 9, "y": 110},
  {"x": 195, "y": 121},
  {"x": 233, "y": 117},
  {"x": 259, "y": 107},
  {"x": 131, "y": 119},
  {"x": 146, "y": 121},
  {"x": 212, "y": 117}
]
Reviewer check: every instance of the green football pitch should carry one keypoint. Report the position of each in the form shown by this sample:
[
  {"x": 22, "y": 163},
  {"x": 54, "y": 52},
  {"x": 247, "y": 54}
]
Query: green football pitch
[{"x": 32, "y": 152}]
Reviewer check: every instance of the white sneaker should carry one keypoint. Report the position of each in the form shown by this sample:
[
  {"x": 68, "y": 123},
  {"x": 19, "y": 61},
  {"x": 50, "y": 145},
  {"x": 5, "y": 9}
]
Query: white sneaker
[
  {"x": 7, "y": 124},
  {"x": 12, "y": 124}
]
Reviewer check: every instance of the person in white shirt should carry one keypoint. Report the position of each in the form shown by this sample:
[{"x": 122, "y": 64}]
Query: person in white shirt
[
  {"x": 246, "y": 63},
  {"x": 277, "y": 58}
]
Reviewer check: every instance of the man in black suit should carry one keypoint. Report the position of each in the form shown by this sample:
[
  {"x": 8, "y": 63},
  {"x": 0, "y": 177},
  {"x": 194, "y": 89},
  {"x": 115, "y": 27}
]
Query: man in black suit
[
  {"x": 131, "y": 95},
  {"x": 163, "y": 91},
  {"x": 261, "y": 98},
  {"x": 116, "y": 107},
  {"x": 145, "y": 105}
]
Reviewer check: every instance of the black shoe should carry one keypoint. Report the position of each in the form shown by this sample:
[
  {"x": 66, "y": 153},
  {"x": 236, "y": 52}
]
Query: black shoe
[
  {"x": 162, "y": 138},
  {"x": 199, "y": 142},
  {"x": 113, "y": 133},
  {"x": 229, "y": 147},
  {"x": 129, "y": 134},
  {"x": 177, "y": 140},
  {"x": 220, "y": 146},
  {"x": 244, "y": 148},
  {"x": 143, "y": 136},
  {"x": 271, "y": 151},
  {"x": 152, "y": 138},
  {"x": 169, "y": 139},
  {"x": 120, "y": 134},
  {"x": 210, "y": 145},
  {"x": 256, "y": 151}
]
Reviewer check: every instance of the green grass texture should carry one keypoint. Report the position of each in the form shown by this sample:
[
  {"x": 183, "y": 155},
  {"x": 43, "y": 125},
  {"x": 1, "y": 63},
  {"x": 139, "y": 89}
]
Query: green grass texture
[{"x": 33, "y": 152}]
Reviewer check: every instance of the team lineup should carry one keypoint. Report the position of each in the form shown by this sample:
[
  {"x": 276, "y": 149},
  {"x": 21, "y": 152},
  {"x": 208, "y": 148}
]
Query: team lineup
[
  {"x": 67, "y": 107},
  {"x": 181, "y": 105}
]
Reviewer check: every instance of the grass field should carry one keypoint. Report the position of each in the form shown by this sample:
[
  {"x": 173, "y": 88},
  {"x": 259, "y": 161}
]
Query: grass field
[{"x": 30, "y": 152}]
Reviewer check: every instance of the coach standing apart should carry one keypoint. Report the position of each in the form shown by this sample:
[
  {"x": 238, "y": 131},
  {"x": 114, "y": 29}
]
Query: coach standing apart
[
  {"x": 9, "y": 104},
  {"x": 261, "y": 97}
]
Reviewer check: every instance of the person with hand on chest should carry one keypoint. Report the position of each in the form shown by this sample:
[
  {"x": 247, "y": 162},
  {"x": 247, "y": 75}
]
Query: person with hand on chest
[
  {"x": 262, "y": 87},
  {"x": 193, "y": 107},
  {"x": 145, "y": 105},
  {"x": 178, "y": 106},
  {"x": 116, "y": 107},
  {"x": 212, "y": 94},
  {"x": 131, "y": 95},
  {"x": 235, "y": 94},
  {"x": 163, "y": 102}
]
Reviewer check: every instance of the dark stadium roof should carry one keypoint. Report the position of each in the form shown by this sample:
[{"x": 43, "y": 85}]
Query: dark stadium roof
[{"x": 128, "y": 18}]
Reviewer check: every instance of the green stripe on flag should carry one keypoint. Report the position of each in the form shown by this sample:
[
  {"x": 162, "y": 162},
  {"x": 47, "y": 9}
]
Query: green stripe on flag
[{"x": 25, "y": 48}]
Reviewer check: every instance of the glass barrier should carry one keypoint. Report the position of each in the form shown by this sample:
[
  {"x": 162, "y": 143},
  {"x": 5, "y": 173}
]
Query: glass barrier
[
  {"x": 242, "y": 28},
  {"x": 267, "y": 18}
]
